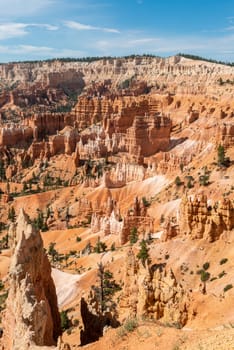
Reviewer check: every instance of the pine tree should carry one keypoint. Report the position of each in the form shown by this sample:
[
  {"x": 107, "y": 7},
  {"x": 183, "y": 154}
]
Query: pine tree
[
  {"x": 133, "y": 235},
  {"x": 52, "y": 251},
  {"x": 221, "y": 155},
  {"x": 2, "y": 171},
  {"x": 143, "y": 254},
  {"x": 178, "y": 181},
  {"x": 106, "y": 289},
  {"x": 11, "y": 214}
]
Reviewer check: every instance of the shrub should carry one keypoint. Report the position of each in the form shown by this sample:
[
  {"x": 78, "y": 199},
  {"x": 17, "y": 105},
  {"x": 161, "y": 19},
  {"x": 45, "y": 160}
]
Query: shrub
[
  {"x": 78, "y": 239},
  {"x": 227, "y": 287},
  {"x": 221, "y": 274},
  {"x": 1, "y": 285},
  {"x": 145, "y": 202},
  {"x": 100, "y": 246},
  {"x": 178, "y": 181},
  {"x": 75, "y": 322},
  {"x": 130, "y": 324},
  {"x": 213, "y": 279},
  {"x": 205, "y": 276},
  {"x": 206, "y": 266},
  {"x": 223, "y": 261},
  {"x": 65, "y": 322},
  {"x": 204, "y": 180},
  {"x": 189, "y": 184}
]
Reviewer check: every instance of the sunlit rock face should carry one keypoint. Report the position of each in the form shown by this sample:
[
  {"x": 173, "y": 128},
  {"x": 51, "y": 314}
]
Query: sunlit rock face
[{"x": 31, "y": 316}]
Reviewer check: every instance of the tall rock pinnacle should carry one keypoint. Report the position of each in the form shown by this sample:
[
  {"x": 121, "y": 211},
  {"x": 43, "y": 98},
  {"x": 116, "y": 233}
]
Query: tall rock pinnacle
[{"x": 32, "y": 316}]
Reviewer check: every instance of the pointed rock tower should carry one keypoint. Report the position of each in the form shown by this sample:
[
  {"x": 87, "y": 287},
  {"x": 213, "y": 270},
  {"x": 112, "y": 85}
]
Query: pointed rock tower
[{"x": 32, "y": 317}]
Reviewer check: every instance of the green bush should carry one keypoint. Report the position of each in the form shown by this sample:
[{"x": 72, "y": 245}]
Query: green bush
[
  {"x": 223, "y": 261},
  {"x": 227, "y": 287},
  {"x": 75, "y": 322},
  {"x": 178, "y": 181},
  {"x": 100, "y": 246},
  {"x": 130, "y": 324},
  {"x": 113, "y": 247},
  {"x": 213, "y": 279},
  {"x": 145, "y": 202},
  {"x": 206, "y": 266},
  {"x": 65, "y": 322},
  {"x": 221, "y": 274},
  {"x": 204, "y": 275},
  {"x": 204, "y": 180}
]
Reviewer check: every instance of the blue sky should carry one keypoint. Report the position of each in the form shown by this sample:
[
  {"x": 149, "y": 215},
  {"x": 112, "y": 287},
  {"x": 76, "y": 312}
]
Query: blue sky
[{"x": 38, "y": 29}]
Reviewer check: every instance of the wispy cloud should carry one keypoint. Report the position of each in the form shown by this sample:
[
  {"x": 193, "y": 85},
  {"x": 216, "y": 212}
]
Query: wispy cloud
[
  {"x": 202, "y": 45},
  {"x": 126, "y": 42},
  {"x": 39, "y": 51},
  {"x": 13, "y": 30},
  {"x": 143, "y": 41},
  {"x": 19, "y": 49},
  {"x": 16, "y": 8},
  {"x": 80, "y": 26},
  {"x": 229, "y": 29},
  {"x": 230, "y": 19}
]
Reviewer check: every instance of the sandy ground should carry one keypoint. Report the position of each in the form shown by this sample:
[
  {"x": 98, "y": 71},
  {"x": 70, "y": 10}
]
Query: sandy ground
[
  {"x": 66, "y": 286},
  {"x": 148, "y": 336}
]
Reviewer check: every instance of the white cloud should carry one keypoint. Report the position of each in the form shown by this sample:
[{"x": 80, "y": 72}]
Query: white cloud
[
  {"x": 143, "y": 41},
  {"x": 125, "y": 43},
  {"x": 80, "y": 26},
  {"x": 47, "y": 26},
  {"x": 33, "y": 49},
  {"x": 25, "y": 49},
  {"x": 229, "y": 29},
  {"x": 17, "y": 8},
  {"x": 13, "y": 30},
  {"x": 201, "y": 45},
  {"x": 40, "y": 51}
]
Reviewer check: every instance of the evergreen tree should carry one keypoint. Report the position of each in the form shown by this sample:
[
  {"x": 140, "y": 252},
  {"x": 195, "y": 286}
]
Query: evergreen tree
[
  {"x": 2, "y": 171},
  {"x": 178, "y": 181},
  {"x": 100, "y": 246},
  {"x": 221, "y": 155},
  {"x": 11, "y": 214},
  {"x": 106, "y": 289},
  {"x": 113, "y": 247},
  {"x": 222, "y": 159},
  {"x": 25, "y": 187},
  {"x": 133, "y": 235},
  {"x": 65, "y": 322},
  {"x": 52, "y": 251},
  {"x": 143, "y": 254}
]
